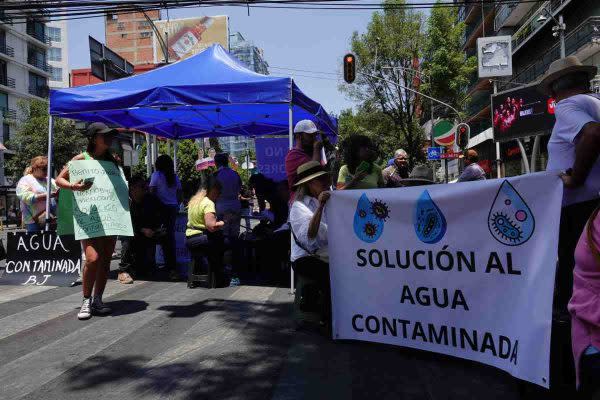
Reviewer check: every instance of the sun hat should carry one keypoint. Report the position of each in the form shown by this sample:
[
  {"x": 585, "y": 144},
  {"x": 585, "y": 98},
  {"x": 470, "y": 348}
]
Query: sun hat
[
  {"x": 99, "y": 127},
  {"x": 309, "y": 171},
  {"x": 420, "y": 175},
  {"x": 305, "y": 126},
  {"x": 562, "y": 67}
]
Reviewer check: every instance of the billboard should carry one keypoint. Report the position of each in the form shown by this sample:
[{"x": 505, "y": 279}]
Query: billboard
[
  {"x": 188, "y": 36},
  {"x": 494, "y": 55},
  {"x": 521, "y": 112}
]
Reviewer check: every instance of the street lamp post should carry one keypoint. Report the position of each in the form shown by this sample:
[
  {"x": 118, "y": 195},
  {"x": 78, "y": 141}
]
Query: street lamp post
[{"x": 559, "y": 29}]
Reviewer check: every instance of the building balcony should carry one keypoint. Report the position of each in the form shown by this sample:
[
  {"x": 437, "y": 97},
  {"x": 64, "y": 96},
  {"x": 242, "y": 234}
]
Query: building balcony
[
  {"x": 5, "y": 18},
  {"x": 7, "y": 50},
  {"x": 8, "y": 82},
  {"x": 582, "y": 42},
  {"x": 511, "y": 14},
  {"x": 9, "y": 113},
  {"x": 39, "y": 91},
  {"x": 40, "y": 37},
  {"x": 41, "y": 65},
  {"x": 532, "y": 26},
  {"x": 475, "y": 29}
]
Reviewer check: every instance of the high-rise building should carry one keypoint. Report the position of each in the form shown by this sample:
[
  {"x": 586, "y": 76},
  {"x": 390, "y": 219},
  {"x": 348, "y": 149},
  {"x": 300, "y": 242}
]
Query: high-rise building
[
  {"x": 24, "y": 71},
  {"x": 58, "y": 54},
  {"x": 534, "y": 48},
  {"x": 250, "y": 55},
  {"x": 253, "y": 58},
  {"x": 131, "y": 35}
]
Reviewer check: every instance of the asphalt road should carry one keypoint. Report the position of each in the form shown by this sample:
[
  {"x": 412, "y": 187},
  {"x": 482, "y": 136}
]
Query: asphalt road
[{"x": 165, "y": 341}]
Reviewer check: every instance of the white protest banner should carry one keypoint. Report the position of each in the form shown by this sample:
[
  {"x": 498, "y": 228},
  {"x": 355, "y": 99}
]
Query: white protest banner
[
  {"x": 40, "y": 259},
  {"x": 102, "y": 210},
  {"x": 462, "y": 269}
]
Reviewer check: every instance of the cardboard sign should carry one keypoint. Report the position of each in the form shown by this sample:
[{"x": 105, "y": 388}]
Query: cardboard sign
[
  {"x": 42, "y": 259},
  {"x": 102, "y": 210}
]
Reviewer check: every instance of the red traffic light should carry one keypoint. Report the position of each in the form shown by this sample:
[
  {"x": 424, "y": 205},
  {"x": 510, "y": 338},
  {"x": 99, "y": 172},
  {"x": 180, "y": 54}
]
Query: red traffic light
[
  {"x": 349, "y": 68},
  {"x": 463, "y": 135}
]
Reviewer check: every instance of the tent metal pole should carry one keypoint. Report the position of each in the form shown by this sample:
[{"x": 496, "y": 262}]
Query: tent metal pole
[
  {"x": 175, "y": 143},
  {"x": 291, "y": 137},
  {"x": 148, "y": 156},
  {"x": 49, "y": 177}
]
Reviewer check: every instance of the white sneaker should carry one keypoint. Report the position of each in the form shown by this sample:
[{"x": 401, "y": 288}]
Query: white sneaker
[
  {"x": 99, "y": 307},
  {"x": 85, "y": 312}
]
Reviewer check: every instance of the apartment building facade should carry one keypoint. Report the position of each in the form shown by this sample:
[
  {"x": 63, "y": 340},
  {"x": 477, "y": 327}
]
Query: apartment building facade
[
  {"x": 58, "y": 54},
  {"x": 534, "y": 47}
]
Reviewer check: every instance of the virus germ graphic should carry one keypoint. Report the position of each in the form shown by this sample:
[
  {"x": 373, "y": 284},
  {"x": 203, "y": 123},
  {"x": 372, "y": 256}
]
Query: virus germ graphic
[
  {"x": 380, "y": 210},
  {"x": 506, "y": 228},
  {"x": 370, "y": 229},
  {"x": 362, "y": 213}
]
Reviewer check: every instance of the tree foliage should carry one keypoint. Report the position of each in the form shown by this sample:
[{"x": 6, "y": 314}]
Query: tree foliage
[
  {"x": 31, "y": 138},
  {"x": 444, "y": 60},
  {"x": 388, "y": 53}
]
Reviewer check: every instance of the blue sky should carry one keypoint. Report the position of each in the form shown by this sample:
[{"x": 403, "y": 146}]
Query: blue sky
[{"x": 311, "y": 40}]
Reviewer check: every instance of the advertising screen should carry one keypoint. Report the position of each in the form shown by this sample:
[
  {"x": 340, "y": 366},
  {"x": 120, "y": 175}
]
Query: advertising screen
[{"x": 521, "y": 112}]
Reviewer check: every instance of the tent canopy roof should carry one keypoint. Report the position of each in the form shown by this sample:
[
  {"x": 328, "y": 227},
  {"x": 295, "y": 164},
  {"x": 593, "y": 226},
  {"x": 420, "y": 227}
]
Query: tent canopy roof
[{"x": 209, "y": 94}]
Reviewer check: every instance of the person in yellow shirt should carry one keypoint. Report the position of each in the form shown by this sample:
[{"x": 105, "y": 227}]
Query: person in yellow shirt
[{"x": 203, "y": 233}]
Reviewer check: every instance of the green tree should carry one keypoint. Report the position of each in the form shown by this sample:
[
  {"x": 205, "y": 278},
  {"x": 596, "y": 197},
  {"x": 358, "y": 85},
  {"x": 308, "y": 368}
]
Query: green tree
[
  {"x": 187, "y": 154},
  {"x": 444, "y": 60},
  {"x": 388, "y": 51},
  {"x": 31, "y": 138}
]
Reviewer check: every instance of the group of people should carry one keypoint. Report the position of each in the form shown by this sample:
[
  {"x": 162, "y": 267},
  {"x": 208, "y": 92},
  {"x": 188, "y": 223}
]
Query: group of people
[{"x": 214, "y": 212}]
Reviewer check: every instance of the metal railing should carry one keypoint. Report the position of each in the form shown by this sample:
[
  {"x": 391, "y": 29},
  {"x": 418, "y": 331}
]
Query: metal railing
[
  {"x": 532, "y": 25},
  {"x": 503, "y": 11},
  {"x": 8, "y": 82},
  {"x": 587, "y": 32},
  {"x": 8, "y": 113},
  {"x": 477, "y": 105},
  {"x": 5, "y": 49},
  {"x": 5, "y": 18},
  {"x": 43, "y": 65},
  {"x": 39, "y": 91},
  {"x": 42, "y": 37}
]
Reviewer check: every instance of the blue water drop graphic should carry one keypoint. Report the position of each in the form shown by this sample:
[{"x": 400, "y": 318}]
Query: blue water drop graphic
[
  {"x": 429, "y": 221},
  {"x": 368, "y": 226},
  {"x": 510, "y": 220}
]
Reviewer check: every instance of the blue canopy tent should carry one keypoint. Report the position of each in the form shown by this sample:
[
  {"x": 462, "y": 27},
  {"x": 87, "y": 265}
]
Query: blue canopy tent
[{"x": 207, "y": 95}]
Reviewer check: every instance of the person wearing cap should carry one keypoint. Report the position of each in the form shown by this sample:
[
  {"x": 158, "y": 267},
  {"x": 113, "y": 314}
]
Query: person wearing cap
[
  {"x": 99, "y": 250},
  {"x": 308, "y": 223},
  {"x": 307, "y": 148},
  {"x": 393, "y": 174},
  {"x": 472, "y": 171},
  {"x": 359, "y": 170},
  {"x": 573, "y": 151}
]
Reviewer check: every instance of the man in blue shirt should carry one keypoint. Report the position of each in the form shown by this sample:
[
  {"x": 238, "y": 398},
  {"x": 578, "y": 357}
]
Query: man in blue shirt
[{"x": 472, "y": 172}]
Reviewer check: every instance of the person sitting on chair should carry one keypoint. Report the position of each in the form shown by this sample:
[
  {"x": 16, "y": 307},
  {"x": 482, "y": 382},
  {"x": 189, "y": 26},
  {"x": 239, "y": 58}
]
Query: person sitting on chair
[
  {"x": 309, "y": 254},
  {"x": 203, "y": 236}
]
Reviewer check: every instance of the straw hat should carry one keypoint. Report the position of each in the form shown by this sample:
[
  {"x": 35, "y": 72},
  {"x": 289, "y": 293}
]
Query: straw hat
[
  {"x": 309, "y": 171},
  {"x": 562, "y": 67}
]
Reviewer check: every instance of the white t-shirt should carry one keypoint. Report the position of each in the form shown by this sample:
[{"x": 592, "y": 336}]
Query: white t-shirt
[
  {"x": 165, "y": 193},
  {"x": 572, "y": 115}
]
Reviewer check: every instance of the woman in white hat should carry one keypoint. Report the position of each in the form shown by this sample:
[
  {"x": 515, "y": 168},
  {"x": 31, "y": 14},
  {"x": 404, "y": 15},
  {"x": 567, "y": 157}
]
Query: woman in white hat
[{"x": 310, "y": 256}]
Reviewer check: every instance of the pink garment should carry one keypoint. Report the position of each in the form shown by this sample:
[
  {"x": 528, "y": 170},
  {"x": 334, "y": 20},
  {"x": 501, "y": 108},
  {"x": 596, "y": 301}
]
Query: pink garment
[{"x": 585, "y": 303}]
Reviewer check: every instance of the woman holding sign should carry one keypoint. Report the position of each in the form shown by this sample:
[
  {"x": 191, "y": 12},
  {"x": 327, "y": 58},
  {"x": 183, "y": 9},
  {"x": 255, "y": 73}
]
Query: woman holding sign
[{"x": 99, "y": 250}]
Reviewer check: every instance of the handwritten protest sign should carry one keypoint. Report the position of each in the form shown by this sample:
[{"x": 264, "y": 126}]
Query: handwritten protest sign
[
  {"x": 428, "y": 268},
  {"x": 41, "y": 259},
  {"x": 103, "y": 210}
]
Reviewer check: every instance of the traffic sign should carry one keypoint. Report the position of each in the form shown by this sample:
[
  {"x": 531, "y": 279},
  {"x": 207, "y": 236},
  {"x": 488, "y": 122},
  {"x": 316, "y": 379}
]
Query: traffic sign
[
  {"x": 434, "y": 153},
  {"x": 451, "y": 155}
]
